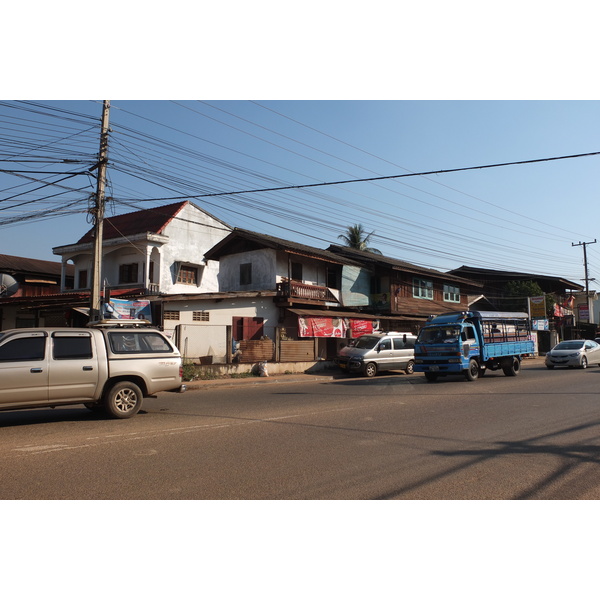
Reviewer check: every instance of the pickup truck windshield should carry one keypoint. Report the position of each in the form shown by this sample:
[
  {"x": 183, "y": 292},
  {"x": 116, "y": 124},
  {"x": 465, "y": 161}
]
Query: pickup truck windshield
[{"x": 439, "y": 335}]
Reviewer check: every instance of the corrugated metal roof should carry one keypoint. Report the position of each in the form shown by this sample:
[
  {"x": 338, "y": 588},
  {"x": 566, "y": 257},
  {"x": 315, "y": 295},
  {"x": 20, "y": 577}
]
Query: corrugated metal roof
[
  {"x": 492, "y": 274},
  {"x": 394, "y": 263},
  {"x": 19, "y": 264},
  {"x": 233, "y": 243}
]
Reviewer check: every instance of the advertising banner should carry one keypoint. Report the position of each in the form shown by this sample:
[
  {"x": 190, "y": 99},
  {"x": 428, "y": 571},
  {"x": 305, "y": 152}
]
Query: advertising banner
[
  {"x": 360, "y": 327},
  {"x": 537, "y": 307},
  {"x": 584, "y": 312},
  {"x": 321, "y": 327},
  {"x": 127, "y": 309}
]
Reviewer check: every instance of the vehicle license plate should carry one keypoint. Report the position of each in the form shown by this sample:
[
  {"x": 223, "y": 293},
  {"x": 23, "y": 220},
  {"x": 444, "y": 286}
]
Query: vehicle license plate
[{"x": 434, "y": 368}]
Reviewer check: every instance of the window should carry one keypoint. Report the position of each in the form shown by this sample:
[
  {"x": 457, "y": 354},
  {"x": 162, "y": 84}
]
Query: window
[
  {"x": 297, "y": 271},
  {"x": 23, "y": 349},
  {"x": 128, "y": 273},
  {"x": 188, "y": 275},
  {"x": 70, "y": 348},
  {"x": 468, "y": 334},
  {"x": 143, "y": 342},
  {"x": 200, "y": 315},
  {"x": 171, "y": 315},
  {"x": 332, "y": 278},
  {"x": 245, "y": 273},
  {"x": 385, "y": 344},
  {"x": 422, "y": 288},
  {"x": 451, "y": 293},
  {"x": 82, "y": 280}
]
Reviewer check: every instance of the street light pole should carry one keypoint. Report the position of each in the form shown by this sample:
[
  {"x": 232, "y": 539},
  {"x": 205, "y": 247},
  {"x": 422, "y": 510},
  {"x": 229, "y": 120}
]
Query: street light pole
[{"x": 98, "y": 216}]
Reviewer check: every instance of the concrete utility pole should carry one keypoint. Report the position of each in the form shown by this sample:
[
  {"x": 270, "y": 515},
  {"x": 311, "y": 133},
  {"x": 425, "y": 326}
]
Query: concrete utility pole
[
  {"x": 98, "y": 215},
  {"x": 587, "y": 279},
  {"x": 585, "y": 263}
]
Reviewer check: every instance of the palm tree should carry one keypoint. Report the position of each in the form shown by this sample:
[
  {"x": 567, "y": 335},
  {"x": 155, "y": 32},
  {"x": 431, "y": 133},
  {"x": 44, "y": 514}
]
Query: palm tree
[{"x": 357, "y": 238}]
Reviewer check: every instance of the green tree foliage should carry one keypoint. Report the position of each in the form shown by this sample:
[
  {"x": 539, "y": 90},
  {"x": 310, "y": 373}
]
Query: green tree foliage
[
  {"x": 356, "y": 237},
  {"x": 517, "y": 292}
]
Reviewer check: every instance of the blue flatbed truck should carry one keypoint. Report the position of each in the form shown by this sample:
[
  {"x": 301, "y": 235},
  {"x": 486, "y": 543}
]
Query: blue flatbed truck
[{"x": 471, "y": 342}]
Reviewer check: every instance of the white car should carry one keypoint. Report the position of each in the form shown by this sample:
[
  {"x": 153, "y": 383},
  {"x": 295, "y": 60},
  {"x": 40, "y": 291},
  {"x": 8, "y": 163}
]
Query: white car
[{"x": 574, "y": 353}]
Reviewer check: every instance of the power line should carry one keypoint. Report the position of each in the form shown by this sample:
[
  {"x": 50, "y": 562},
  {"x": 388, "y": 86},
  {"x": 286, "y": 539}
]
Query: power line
[{"x": 384, "y": 177}]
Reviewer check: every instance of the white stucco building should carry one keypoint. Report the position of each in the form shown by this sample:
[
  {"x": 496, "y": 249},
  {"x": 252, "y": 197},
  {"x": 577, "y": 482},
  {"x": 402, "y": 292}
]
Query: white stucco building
[{"x": 159, "y": 251}]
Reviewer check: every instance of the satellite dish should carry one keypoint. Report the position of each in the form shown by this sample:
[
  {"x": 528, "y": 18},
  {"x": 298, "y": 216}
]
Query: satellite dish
[{"x": 8, "y": 285}]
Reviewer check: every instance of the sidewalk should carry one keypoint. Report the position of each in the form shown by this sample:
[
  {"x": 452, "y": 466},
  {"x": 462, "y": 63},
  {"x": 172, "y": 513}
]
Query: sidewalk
[{"x": 322, "y": 376}]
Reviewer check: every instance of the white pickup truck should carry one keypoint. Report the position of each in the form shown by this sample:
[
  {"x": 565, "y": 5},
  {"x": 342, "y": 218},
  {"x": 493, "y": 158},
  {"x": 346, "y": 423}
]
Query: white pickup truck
[{"x": 104, "y": 366}]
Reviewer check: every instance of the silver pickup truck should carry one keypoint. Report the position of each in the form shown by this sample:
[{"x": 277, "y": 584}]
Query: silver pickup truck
[{"x": 103, "y": 367}]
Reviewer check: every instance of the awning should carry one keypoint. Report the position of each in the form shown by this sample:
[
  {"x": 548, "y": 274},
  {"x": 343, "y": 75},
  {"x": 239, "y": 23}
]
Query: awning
[{"x": 307, "y": 312}]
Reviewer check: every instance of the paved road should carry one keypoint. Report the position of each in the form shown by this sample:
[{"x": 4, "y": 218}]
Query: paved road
[{"x": 393, "y": 437}]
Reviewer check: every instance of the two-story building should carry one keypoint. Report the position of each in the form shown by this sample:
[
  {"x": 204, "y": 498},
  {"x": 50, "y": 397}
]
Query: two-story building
[
  {"x": 28, "y": 288},
  {"x": 324, "y": 297}
]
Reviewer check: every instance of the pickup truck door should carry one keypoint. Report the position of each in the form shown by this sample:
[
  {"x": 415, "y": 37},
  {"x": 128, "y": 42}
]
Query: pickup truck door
[
  {"x": 24, "y": 369},
  {"x": 73, "y": 367}
]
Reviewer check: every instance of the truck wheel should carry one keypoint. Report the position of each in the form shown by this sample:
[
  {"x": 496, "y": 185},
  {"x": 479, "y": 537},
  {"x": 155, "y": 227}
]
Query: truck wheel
[
  {"x": 431, "y": 376},
  {"x": 512, "y": 368},
  {"x": 472, "y": 373},
  {"x": 123, "y": 400},
  {"x": 410, "y": 367},
  {"x": 371, "y": 370}
]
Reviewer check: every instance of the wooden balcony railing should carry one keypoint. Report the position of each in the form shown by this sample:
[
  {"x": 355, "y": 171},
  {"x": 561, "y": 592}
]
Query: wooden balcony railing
[{"x": 304, "y": 291}]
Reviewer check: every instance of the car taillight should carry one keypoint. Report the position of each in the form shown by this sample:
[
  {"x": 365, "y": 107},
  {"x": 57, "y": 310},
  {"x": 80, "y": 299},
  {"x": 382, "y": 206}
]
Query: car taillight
[{"x": 180, "y": 371}]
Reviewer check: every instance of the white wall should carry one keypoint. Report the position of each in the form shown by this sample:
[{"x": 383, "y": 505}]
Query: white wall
[
  {"x": 202, "y": 338},
  {"x": 264, "y": 273},
  {"x": 191, "y": 235}
]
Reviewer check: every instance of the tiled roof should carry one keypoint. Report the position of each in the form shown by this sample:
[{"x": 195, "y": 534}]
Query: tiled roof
[
  {"x": 19, "y": 264},
  {"x": 152, "y": 220}
]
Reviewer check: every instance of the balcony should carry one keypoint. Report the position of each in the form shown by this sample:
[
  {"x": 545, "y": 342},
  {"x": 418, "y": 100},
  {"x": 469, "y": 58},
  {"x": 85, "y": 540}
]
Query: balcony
[{"x": 305, "y": 293}]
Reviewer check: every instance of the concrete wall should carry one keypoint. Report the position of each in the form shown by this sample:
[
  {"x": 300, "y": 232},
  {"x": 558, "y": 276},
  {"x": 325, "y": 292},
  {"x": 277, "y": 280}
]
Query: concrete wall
[
  {"x": 264, "y": 271},
  {"x": 209, "y": 337}
]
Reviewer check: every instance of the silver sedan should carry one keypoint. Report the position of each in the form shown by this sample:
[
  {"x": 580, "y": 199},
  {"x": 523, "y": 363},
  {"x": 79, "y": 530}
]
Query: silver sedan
[{"x": 574, "y": 353}]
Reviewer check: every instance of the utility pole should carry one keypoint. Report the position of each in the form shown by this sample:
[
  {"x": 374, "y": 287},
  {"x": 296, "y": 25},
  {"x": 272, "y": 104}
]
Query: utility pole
[
  {"x": 98, "y": 215},
  {"x": 587, "y": 279}
]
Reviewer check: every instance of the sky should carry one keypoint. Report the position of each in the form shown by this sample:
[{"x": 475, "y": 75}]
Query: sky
[{"x": 522, "y": 217}]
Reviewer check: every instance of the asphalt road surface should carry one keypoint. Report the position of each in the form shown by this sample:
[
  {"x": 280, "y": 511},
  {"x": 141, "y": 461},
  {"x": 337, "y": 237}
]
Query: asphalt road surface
[{"x": 534, "y": 436}]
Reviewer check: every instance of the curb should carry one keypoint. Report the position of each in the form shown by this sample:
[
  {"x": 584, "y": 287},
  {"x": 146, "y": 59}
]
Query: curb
[{"x": 299, "y": 378}]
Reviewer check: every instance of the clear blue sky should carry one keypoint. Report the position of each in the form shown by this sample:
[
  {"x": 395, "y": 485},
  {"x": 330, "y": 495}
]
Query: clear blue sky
[{"x": 522, "y": 217}]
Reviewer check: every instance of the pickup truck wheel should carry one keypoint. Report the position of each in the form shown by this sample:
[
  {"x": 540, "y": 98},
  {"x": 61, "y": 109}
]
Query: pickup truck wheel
[
  {"x": 472, "y": 373},
  {"x": 512, "y": 368},
  {"x": 410, "y": 367},
  {"x": 123, "y": 400},
  {"x": 371, "y": 370}
]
